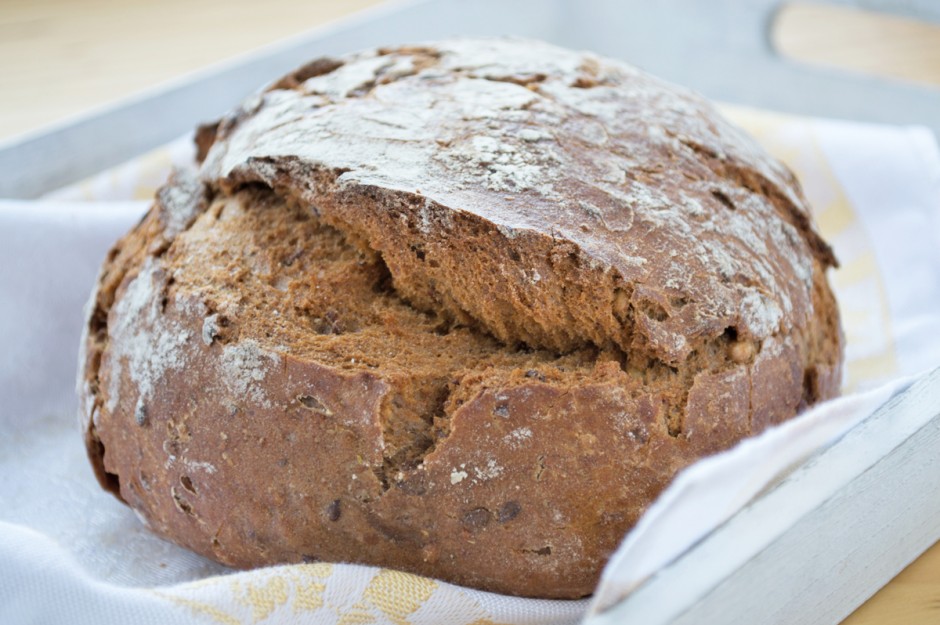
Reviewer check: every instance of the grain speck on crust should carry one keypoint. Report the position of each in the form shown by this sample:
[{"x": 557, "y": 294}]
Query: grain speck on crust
[
  {"x": 457, "y": 476},
  {"x": 210, "y": 329}
]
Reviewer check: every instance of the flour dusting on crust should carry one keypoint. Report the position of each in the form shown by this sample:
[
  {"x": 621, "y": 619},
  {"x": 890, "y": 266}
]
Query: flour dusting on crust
[
  {"x": 144, "y": 343},
  {"x": 244, "y": 367},
  {"x": 623, "y": 166}
]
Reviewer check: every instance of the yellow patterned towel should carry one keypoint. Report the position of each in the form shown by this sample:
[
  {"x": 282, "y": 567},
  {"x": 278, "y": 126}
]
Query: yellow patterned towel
[{"x": 80, "y": 556}]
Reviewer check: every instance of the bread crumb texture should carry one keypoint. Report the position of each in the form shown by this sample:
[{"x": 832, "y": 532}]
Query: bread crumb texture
[{"x": 461, "y": 309}]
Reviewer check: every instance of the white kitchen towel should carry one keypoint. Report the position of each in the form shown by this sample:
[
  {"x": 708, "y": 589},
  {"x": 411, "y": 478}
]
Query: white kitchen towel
[{"x": 69, "y": 552}]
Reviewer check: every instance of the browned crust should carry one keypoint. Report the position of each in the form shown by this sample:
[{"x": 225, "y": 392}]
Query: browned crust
[{"x": 255, "y": 420}]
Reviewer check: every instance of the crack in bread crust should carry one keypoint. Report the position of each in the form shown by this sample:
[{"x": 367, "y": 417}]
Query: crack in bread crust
[{"x": 478, "y": 362}]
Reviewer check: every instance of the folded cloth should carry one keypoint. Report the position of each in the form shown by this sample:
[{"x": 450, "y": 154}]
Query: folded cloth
[{"x": 72, "y": 553}]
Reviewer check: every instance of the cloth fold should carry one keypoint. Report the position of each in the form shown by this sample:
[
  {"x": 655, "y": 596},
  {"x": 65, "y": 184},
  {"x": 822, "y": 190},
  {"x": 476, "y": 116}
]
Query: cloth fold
[{"x": 72, "y": 553}]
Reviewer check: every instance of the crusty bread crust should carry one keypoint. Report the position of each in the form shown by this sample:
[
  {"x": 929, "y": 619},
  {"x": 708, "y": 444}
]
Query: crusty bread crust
[{"x": 461, "y": 309}]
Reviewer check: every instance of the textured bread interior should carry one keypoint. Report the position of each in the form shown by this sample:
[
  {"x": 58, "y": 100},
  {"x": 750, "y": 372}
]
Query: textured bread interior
[
  {"x": 269, "y": 268},
  {"x": 311, "y": 291},
  {"x": 566, "y": 280}
]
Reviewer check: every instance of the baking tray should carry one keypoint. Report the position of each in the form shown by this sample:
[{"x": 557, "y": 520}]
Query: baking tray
[{"x": 875, "y": 497}]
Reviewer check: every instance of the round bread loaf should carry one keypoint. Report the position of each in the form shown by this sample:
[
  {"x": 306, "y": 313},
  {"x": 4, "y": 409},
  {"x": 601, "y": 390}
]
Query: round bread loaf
[{"x": 461, "y": 309}]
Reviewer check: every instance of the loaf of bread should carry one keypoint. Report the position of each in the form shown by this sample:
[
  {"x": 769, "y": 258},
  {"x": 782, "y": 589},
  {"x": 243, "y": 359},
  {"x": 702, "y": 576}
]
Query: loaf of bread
[{"x": 461, "y": 309}]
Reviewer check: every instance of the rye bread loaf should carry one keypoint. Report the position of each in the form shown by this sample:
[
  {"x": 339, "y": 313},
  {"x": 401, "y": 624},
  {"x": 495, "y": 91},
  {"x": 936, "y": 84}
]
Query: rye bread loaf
[{"x": 461, "y": 309}]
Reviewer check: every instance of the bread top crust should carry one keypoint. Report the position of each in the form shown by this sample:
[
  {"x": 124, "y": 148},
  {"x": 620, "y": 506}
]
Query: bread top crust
[
  {"x": 487, "y": 299},
  {"x": 612, "y": 207}
]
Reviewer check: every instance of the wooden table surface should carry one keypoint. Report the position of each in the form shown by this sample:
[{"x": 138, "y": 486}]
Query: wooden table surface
[{"x": 61, "y": 57}]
